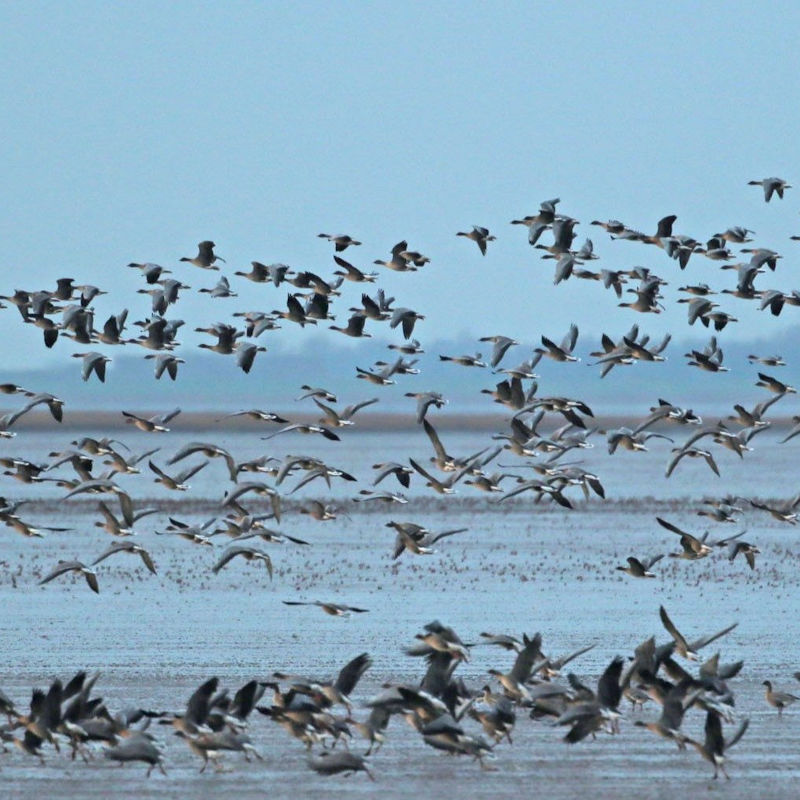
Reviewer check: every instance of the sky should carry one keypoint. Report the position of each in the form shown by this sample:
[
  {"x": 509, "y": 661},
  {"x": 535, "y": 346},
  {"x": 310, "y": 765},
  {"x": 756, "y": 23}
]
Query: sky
[{"x": 133, "y": 131}]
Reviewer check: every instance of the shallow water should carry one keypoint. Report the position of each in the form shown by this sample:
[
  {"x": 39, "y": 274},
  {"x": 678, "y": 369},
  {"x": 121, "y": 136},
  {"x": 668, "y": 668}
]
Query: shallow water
[{"x": 521, "y": 567}]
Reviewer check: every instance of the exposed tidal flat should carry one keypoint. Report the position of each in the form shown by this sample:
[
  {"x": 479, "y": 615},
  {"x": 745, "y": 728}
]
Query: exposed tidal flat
[{"x": 520, "y": 567}]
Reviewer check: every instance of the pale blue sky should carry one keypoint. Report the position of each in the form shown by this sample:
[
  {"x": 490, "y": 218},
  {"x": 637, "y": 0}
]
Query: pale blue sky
[{"x": 134, "y": 130}]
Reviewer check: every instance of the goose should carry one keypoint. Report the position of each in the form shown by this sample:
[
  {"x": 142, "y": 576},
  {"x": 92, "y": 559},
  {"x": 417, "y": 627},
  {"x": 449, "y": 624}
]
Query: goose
[
  {"x": 206, "y": 257},
  {"x": 256, "y": 414},
  {"x": 400, "y": 471},
  {"x": 209, "y": 450},
  {"x": 771, "y": 186},
  {"x": 354, "y": 328},
  {"x": 713, "y": 747},
  {"x": 689, "y": 649},
  {"x": 407, "y": 318},
  {"x": 501, "y": 346},
  {"x": 139, "y": 747},
  {"x": 165, "y": 362},
  {"x": 398, "y": 261},
  {"x": 226, "y": 338},
  {"x": 537, "y": 224},
  {"x": 563, "y": 236},
  {"x": 248, "y": 553},
  {"x": 178, "y": 482},
  {"x": 351, "y": 273},
  {"x": 341, "y": 241},
  {"x": 154, "y": 424},
  {"x": 246, "y": 355},
  {"x": 113, "y": 328},
  {"x": 693, "y": 548},
  {"x": 79, "y": 568},
  {"x": 774, "y": 385},
  {"x": 417, "y": 539},
  {"x": 295, "y": 312},
  {"x": 335, "y": 762},
  {"x": 306, "y": 428},
  {"x": 465, "y": 361},
  {"x": 779, "y": 700},
  {"x": 151, "y": 272},
  {"x": 480, "y": 236},
  {"x": 222, "y": 288},
  {"x": 339, "y": 419},
  {"x": 128, "y": 547},
  {"x": 641, "y": 568},
  {"x": 93, "y": 362},
  {"x": 676, "y": 702},
  {"x": 333, "y": 609},
  {"x": 562, "y": 352}
]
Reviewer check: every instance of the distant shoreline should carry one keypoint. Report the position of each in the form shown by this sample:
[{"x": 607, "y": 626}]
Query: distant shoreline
[{"x": 367, "y": 423}]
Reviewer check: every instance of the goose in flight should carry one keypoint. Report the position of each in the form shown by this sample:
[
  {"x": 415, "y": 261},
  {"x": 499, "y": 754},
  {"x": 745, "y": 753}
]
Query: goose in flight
[
  {"x": 333, "y": 609},
  {"x": 465, "y": 361},
  {"x": 209, "y": 450},
  {"x": 690, "y": 452},
  {"x": 693, "y": 548},
  {"x": 93, "y": 362},
  {"x": 222, "y": 288},
  {"x": 256, "y": 414},
  {"x": 341, "y": 241},
  {"x": 416, "y": 538},
  {"x": 79, "y": 568},
  {"x": 248, "y": 553},
  {"x": 714, "y": 746},
  {"x": 424, "y": 401},
  {"x": 339, "y": 419},
  {"x": 480, "y": 236},
  {"x": 537, "y": 224},
  {"x": 206, "y": 257},
  {"x": 154, "y": 424},
  {"x": 771, "y": 186},
  {"x": 166, "y": 362},
  {"x": 128, "y": 547},
  {"x": 177, "y": 482},
  {"x": 407, "y": 318},
  {"x": 774, "y": 385},
  {"x": 354, "y": 328},
  {"x": 398, "y": 262},
  {"x": 351, "y": 273},
  {"x": 641, "y": 568},
  {"x": 689, "y": 649},
  {"x": 151, "y": 272},
  {"x": 562, "y": 352},
  {"x": 501, "y": 346},
  {"x": 246, "y": 354}
]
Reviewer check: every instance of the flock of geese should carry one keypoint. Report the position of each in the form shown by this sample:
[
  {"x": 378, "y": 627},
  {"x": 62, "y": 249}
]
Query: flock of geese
[
  {"x": 541, "y": 437},
  {"x": 322, "y": 716}
]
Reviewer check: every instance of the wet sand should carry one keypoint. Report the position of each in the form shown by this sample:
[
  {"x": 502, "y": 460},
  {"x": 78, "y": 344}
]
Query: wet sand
[{"x": 523, "y": 568}]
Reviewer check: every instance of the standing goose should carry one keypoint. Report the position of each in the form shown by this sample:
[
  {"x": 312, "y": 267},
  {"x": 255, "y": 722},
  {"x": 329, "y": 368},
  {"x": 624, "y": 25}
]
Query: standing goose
[{"x": 779, "y": 700}]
